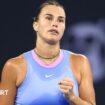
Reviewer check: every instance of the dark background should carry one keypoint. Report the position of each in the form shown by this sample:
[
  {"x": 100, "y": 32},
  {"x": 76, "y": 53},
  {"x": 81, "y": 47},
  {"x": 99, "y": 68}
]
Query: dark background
[{"x": 17, "y": 35}]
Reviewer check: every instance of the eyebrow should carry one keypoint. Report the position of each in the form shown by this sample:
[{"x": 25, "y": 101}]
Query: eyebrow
[{"x": 58, "y": 16}]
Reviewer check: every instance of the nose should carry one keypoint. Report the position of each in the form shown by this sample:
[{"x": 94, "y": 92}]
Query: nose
[{"x": 54, "y": 23}]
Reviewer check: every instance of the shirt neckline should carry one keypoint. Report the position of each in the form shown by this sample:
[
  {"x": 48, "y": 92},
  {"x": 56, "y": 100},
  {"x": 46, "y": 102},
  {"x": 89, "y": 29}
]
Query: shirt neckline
[{"x": 43, "y": 64}]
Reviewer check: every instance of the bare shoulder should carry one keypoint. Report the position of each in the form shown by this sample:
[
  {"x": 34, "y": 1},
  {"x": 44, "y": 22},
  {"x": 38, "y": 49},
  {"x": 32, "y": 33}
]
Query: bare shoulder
[
  {"x": 77, "y": 56},
  {"x": 13, "y": 74},
  {"x": 79, "y": 59},
  {"x": 79, "y": 64},
  {"x": 13, "y": 68}
]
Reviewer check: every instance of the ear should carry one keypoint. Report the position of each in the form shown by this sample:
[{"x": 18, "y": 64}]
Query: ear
[{"x": 35, "y": 26}]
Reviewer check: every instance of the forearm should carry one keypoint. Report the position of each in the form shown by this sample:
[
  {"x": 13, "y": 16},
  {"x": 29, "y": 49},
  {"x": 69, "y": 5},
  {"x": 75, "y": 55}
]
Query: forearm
[{"x": 75, "y": 100}]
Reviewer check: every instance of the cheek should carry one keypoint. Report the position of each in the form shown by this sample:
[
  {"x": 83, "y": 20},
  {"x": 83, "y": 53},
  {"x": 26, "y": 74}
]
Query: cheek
[
  {"x": 42, "y": 25},
  {"x": 63, "y": 28}
]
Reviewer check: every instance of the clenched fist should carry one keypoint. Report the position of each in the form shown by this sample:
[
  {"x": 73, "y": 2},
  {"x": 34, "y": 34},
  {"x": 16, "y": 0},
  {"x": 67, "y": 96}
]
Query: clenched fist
[{"x": 66, "y": 87}]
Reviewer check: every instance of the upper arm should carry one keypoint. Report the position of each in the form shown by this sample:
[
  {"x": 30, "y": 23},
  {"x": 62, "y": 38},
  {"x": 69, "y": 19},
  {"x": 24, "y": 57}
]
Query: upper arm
[
  {"x": 8, "y": 83},
  {"x": 86, "y": 89}
]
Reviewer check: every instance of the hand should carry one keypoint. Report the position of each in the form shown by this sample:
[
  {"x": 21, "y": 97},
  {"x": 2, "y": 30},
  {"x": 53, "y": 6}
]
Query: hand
[{"x": 66, "y": 87}]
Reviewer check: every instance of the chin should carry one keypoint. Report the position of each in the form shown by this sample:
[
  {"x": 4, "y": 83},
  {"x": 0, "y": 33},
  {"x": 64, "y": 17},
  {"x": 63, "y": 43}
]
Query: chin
[{"x": 53, "y": 42}]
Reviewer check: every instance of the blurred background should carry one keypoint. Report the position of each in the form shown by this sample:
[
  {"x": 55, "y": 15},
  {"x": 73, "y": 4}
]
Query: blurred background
[{"x": 85, "y": 33}]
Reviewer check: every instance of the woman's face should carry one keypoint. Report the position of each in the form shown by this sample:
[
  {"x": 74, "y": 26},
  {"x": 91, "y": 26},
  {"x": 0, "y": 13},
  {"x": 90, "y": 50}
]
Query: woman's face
[{"x": 50, "y": 25}]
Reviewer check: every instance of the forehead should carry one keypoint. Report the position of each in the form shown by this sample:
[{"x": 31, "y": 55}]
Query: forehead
[{"x": 54, "y": 10}]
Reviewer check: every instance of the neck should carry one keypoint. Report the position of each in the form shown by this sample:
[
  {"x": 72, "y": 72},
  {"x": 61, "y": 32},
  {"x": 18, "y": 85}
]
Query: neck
[
  {"x": 47, "y": 51},
  {"x": 42, "y": 57}
]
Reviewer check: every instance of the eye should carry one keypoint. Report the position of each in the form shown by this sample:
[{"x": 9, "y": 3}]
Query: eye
[
  {"x": 48, "y": 18},
  {"x": 61, "y": 20}
]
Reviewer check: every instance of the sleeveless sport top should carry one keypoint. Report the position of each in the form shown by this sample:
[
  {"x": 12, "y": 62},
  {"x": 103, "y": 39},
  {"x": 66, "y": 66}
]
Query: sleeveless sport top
[{"x": 40, "y": 86}]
